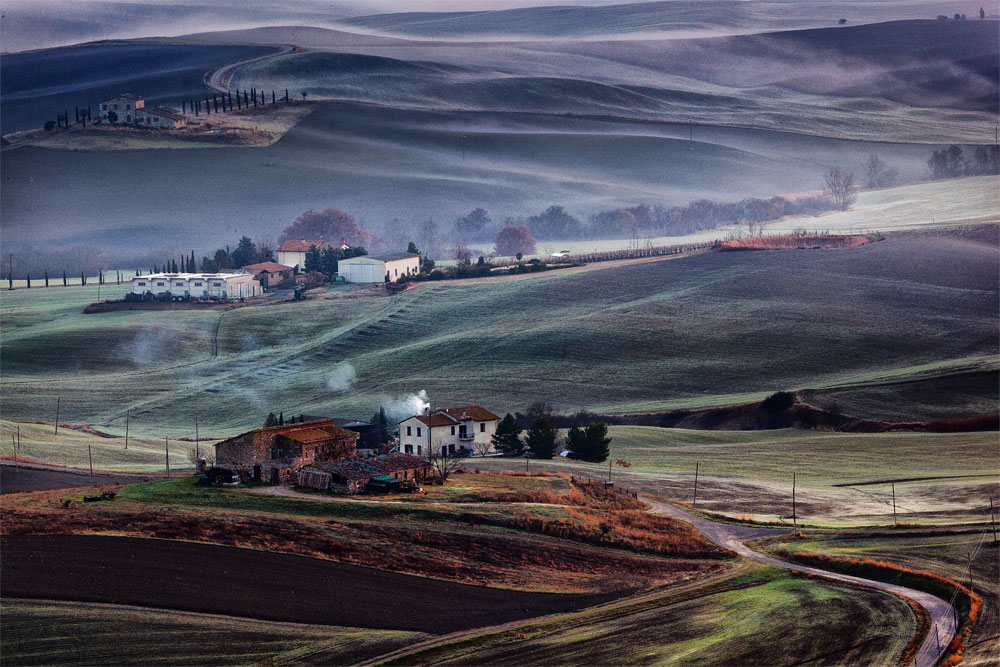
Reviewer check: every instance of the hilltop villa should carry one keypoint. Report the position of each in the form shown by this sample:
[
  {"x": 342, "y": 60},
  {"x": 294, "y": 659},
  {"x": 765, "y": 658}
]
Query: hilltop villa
[
  {"x": 448, "y": 431},
  {"x": 129, "y": 109}
]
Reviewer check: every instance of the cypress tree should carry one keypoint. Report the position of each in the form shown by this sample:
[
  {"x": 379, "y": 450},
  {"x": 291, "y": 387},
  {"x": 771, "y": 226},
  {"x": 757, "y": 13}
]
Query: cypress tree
[
  {"x": 29, "y": 280},
  {"x": 83, "y": 278},
  {"x": 281, "y": 419},
  {"x": 65, "y": 284},
  {"x": 89, "y": 117},
  {"x": 76, "y": 110},
  {"x": 183, "y": 106},
  {"x": 286, "y": 96},
  {"x": 272, "y": 96},
  {"x": 246, "y": 99},
  {"x": 46, "y": 277},
  {"x": 10, "y": 280}
]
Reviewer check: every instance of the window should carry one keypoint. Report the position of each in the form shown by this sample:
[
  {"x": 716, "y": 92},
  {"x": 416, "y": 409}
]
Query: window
[
  {"x": 444, "y": 450},
  {"x": 482, "y": 427},
  {"x": 409, "y": 431},
  {"x": 178, "y": 284},
  {"x": 408, "y": 449},
  {"x": 159, "y": 284},
  {"x": 197, "y": 284},
  {"x": 453, "y": 430},
  {"x": 142, "y": 283},
  {"x": 420, "y": 449},
  {"x": 418, "y": 431}
]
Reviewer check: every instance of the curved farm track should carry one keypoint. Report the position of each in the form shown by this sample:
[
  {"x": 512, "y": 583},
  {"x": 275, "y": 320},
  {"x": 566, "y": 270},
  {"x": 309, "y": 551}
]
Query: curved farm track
[
  {"x": 190, "y": 576},
  {"x": 943, "y": 620}
]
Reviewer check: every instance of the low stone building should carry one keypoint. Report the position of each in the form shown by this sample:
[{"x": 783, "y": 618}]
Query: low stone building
[
  {"x": 272, "y": 275},
  {"x": 129, "y": 109},
  {"x": 355, "y": 475},
  {"x": 275, "y": 454}
]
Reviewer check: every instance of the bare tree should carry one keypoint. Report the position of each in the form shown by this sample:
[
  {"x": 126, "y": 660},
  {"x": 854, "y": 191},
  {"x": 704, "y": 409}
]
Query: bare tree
[
  {"x": 483, "y": 447},
  {"x": 444, "y": 465},
  {"x": 878, "y": 174},
  {"x": 840, "y": 185},
  {"x": 462, "y": 254}
]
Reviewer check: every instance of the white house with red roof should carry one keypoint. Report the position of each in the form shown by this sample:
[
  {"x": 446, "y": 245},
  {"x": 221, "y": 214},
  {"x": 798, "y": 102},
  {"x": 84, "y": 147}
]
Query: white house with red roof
[
  {"x": 293, "y": 252},
  {"x": 447, "y": 431}
]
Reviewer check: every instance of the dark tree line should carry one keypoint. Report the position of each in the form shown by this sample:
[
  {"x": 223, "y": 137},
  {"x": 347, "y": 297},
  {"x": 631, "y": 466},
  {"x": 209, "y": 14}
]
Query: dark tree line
[
  {"x": 951, "y": 162},
  {"x": 325, "y": 260},
  {"x": 245, "y": 253}
]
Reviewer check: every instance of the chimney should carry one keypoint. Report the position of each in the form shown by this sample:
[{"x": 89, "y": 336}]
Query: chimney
[
  {"x": 427, "y": 410},
  {"x": 465, "y": 415}
]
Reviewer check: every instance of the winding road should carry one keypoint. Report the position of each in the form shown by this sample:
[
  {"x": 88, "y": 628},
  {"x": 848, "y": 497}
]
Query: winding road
[
  {"x": 944, "y": 622},
  {"x": 219, "y": 79}
]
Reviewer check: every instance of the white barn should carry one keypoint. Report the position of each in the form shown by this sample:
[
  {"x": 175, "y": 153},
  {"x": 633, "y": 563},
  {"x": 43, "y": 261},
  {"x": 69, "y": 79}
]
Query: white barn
[
  {"x": 379, "y": 268},
  {"x": 446, "y": 431},
  {"x": 225, "y": 286}
]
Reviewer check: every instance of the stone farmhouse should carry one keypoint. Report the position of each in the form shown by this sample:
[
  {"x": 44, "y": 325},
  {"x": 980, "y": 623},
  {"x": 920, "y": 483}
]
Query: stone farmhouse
[
  {"x": 276, "y": 454},
  {"x": 216, "y": 286},
  {"x": 448, "y": 432},
  {"x": 293, "y": 253},
  {"x": 272, "y": 274},
  {"x": 382, "y": 474},
  {"x": 129, "y": 109}
]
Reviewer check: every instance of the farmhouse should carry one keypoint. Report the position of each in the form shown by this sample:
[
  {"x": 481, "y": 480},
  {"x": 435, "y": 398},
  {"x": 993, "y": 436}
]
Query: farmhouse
[
  {"x": 271, "y": 274},
  {"x": 448, "y": 431},
  {"x": 293, "y": 253},
  {"x": 161, "y": 117},
  {"x": 216, "y": 286},
  {"x": 121, "y": 108},
  {"x": 276, "y": 454},
  {"x": 379, "y": 268},
  {"x": 129, "y": 109}
]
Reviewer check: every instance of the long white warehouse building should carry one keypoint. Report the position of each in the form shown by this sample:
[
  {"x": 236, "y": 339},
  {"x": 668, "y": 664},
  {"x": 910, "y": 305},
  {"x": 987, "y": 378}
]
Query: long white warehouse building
[{"x": 226, "y": 286}]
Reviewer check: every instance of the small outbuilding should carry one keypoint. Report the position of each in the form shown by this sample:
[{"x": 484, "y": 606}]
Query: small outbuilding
[
  {"x": 272, "y": 274},
  {"x": 375, "y": 269}
]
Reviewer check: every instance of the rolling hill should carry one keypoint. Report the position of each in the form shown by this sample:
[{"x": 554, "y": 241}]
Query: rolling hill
[
  {"x": 632, "y": 338},
  {"x": 35, "y": 86}
]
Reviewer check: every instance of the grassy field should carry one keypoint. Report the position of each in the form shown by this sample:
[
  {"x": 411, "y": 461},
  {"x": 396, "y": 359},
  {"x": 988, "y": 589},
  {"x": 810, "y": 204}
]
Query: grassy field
[
  {"x": 629, "y": 338},
  {"x": 69, "y": 633},
  {"x": 955, "y": 556},
  {"x": 73, "y": 448},
  {"x": 755, "y": 618},
  {"x": 820, "y": 459}
]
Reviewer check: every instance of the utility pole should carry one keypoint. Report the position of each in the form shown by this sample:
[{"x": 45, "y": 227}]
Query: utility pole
[
  {"x": 90, "y": 457},
  {"x": 57, "y": 415},
  {"x": 695, "y": 501},
  {"x": 609, "y": 467},
  {"x": 795, "y": 514},
  {"x": 13, "y": 446},
  {"x": 527, "y": 458},
  {"x": 894, "y": 522},
  {"x": 126, "y": 428},
  {"x": 166, "y": 448},
  {"x": 197, "y": 451},
  {"x": 993, "y": 520}
]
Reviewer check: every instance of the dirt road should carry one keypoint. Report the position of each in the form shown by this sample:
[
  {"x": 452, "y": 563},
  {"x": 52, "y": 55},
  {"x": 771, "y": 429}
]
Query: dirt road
[
  {"x": 944, "y": 622},
  {"x": 219, "y": 79}
]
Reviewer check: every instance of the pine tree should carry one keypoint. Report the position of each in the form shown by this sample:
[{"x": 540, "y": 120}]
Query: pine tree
[
  {"x": 590, "y": 444},
  {"x": 541, "y": 439},
  {"x": 271, "y": 420},
  {"x": 507, "y": 439}
]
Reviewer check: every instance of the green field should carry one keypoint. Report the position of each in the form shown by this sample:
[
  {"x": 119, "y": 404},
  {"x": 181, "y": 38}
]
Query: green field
[
  {"x": 71, "y": 633},
  {"x": 950, "y": 555},
  {"x": 628, "y": 338},
  {"x": 818, "y": 458},
  {"x": 750, "y": 619}
]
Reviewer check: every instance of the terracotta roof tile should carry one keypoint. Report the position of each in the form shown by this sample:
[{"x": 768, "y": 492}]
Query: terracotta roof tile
[
  {"x": 301, "y": 245},
  {"x": 270, "y": 267}
]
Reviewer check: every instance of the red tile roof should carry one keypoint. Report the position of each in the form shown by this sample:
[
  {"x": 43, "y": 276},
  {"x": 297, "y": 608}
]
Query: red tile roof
[
  {"x": 270, "y": 267},
  {"x": 397, "y": 462},
  {"x": 353, "y": 469},
  {"x": 471, "y": 411},
  {"x": 301, "y": 246},
  {"x": 164, "y": 112},
  {"x": 436, "y": 419}
]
